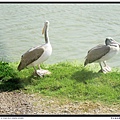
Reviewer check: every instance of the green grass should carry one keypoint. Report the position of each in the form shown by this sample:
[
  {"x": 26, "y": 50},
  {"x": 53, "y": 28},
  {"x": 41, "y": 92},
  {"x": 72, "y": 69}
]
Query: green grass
[{"x": 70, "y": 80}]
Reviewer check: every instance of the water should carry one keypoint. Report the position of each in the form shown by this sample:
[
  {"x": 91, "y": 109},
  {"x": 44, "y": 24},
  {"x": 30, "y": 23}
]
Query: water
[{"x": 74, "y": 29}]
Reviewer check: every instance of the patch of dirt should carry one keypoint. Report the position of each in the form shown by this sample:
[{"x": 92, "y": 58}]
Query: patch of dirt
[{"x": 13, "y": 103}]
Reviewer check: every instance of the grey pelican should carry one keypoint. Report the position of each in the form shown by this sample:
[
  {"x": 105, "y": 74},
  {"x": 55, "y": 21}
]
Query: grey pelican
[
  {"x": 101, "y": 53},
  {"x": 37, "y": 55}
]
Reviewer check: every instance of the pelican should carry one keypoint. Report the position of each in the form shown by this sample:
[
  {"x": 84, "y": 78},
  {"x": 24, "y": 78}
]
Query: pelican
[
  {"x": 101, "y": 53},
  {"x": 37, "y": 55}
]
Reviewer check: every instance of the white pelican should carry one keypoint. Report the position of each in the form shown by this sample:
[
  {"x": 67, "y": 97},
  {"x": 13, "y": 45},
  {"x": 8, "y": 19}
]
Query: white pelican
[
  {"x": 37, "y": 55},
  {"x": 101, "y": 53}
]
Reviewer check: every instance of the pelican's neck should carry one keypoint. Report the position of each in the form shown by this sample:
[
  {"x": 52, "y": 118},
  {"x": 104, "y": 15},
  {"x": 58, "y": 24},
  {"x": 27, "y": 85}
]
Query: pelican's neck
[{"x": 46, "y": 35}]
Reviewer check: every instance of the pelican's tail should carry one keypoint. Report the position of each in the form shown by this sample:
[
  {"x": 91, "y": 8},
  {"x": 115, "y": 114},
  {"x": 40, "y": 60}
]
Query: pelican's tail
[
  {"x": 86, "y": 62},
  {"x": 21, "y": 66}
]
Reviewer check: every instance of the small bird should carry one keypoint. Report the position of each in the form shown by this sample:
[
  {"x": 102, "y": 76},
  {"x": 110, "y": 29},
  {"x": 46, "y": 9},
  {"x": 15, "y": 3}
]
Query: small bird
[
  {"x": 37, "y": 55},
  {"x": 101, "y": 53}
]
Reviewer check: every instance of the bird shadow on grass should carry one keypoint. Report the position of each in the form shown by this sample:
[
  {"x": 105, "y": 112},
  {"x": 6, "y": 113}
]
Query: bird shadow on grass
[
  {"x": 10, "y": 80},
  {"x": 15, "y": 83},
  {"x": 10, "y": 85},
  {"x": 84, "y": 75}
]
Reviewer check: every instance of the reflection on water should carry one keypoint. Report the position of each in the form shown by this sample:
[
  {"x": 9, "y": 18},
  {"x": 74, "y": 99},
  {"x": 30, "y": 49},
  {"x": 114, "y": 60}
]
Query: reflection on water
[{"x": 74, "y": 29}]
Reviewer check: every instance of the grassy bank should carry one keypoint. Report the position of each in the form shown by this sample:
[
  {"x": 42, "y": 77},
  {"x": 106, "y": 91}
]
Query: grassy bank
[{"x": 68, "y": 80}]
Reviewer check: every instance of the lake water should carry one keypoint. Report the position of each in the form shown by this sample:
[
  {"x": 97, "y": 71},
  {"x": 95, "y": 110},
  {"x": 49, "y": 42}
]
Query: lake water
[{"x": 74, "y": 29}]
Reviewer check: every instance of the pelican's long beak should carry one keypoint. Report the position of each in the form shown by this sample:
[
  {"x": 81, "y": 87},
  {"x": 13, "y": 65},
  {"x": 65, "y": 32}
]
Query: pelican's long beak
[
  {"x": 117, "y": 43},
  {"x": 43, "y": 30}
]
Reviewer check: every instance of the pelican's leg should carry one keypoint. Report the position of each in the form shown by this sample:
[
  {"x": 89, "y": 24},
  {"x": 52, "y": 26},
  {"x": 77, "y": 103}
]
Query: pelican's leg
[
  {"x": 39, "y": 67},
  {"x": 108, "y": 68},
  {"x": 38, "y": 72},
  {"x": 102, "y": 69},
  {"x": 34, "y": 68}
]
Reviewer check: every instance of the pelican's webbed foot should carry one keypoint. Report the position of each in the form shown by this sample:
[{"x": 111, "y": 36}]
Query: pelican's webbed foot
[
  {"x": 108, "y": 68},
  {"x": 103, "y": 70},
  {"x": 42, "y": 72}
]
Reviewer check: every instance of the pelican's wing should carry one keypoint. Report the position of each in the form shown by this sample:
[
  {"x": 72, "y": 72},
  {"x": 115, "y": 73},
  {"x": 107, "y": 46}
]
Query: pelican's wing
[
  {"x": 96, "y": 47},
  {"x": 30, "y": 56},
  {"x": 96, "y": 53}
]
